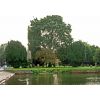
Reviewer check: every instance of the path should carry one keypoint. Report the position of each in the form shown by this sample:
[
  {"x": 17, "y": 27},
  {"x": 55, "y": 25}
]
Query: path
[{"x": 5, "y": 76}]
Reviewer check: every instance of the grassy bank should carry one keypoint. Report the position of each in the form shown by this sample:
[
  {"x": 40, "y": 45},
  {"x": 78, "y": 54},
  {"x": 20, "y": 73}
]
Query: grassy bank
[{"x": 57, "y": 69}]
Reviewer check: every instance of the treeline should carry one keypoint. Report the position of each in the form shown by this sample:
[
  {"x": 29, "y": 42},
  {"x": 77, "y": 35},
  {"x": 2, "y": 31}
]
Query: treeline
[
  {"x": 49, "y": 44},
  {"x": 80, "y": 54}
]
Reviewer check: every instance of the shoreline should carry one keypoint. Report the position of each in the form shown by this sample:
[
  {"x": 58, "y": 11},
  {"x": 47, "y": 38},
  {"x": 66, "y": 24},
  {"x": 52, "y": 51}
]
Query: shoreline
[
  {"x": 4, "y": 76},
  {"x": 77, "y": 70}
]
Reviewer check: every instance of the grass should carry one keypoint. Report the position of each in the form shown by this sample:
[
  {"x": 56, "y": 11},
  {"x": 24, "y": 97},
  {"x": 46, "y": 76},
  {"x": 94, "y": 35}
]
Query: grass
[{"x": 56, "y": 69}]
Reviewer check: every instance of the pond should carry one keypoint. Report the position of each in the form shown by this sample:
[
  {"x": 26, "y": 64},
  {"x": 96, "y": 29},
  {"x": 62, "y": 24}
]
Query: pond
[{"x": 54, "y": 79}]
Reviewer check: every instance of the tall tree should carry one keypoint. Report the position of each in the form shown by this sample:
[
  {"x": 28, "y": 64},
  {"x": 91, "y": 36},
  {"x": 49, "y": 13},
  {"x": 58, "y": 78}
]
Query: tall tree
[
  {"x": 48, "y": 32},
  {"x": 79, "y": 53},
  {"x": 16, "y": 54},
  {"x": 55, "y": 32},
  {"x": 34, "y": 36}
]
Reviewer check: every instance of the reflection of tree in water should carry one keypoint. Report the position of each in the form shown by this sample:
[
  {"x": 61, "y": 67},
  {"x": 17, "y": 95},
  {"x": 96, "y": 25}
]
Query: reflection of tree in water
[
  {"x": 26, "y": 81},
  {"x": 55, "y": 77},
  {"x": 93, "y": 80}
]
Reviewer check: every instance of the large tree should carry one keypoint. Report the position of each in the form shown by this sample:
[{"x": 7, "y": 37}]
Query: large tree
[
  {"x": 16, "y": 54},
  {"x": 49, "y": 32},
  {"x": 55, "y": 32},
  {"x": 79, "y": 53}
]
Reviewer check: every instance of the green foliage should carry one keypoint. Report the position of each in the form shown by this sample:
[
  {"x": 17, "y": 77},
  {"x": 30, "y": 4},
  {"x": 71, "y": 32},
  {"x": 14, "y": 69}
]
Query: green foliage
[
  {"x": 16, "y": 54},
  {"x": 55, "y": 32},
  {"x": 48, "y": 32},
  {"x": 97, "y": 56},
  {"x": 62, "y": 54},
  {"x": 52, "y": 33},
  {"x": 77, "y": 53},
  {"x": 49, "y": 39},
  {"x": 34, "y": 36},
  {"x": 46, "y": 56},
  {"x": 93, "y": 49},
  {"x": 80, "y": 69}
]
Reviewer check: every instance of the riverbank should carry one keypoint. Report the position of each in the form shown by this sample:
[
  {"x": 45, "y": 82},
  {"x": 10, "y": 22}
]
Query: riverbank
[
  {"x": 5, "y": 76},
  {"x": 55, "y": 70}
]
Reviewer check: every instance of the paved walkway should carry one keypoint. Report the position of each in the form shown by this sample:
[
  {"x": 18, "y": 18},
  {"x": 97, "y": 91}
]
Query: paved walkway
[
  {"x": 1, "y": 69},
  {"x": 5, "y": 76}
]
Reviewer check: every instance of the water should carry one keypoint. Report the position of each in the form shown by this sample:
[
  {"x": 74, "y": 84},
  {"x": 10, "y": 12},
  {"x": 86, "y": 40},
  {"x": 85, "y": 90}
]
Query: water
[{"x": 54, "y": 79}]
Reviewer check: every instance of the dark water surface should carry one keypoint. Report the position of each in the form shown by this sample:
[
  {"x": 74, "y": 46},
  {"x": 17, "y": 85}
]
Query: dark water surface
[{"x": 54, "y": 79}]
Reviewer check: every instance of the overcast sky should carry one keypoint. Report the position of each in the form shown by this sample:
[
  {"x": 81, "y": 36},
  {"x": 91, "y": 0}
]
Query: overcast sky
[{"x": 83, "y": 15}]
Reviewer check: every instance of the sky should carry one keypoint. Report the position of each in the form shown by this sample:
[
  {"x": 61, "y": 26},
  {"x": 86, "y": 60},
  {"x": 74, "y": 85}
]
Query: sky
[{"x": 83, "y": 15}]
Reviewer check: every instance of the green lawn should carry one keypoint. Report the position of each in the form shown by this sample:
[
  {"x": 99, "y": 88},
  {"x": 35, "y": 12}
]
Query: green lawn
[{"x": 56, "y": 69}]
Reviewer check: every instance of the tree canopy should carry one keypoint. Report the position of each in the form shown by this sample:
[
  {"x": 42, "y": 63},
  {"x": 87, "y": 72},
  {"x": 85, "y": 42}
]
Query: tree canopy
[
  {"x": 48, "y": 32},
  {"x": 46, "y": 57},
  {"x": 97, "y": 56},
  {"x": 77, "y": 53},
  {"x": 49, "y": 40},
  {"x": 16, "y": 54}
]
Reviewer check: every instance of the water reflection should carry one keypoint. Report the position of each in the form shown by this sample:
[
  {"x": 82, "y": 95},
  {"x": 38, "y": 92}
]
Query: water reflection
[
  {"x": 93, "y": 80},
  {"x": 55, "y": 79},
  {"x": 26, "y": 81}
]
